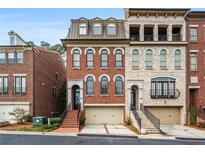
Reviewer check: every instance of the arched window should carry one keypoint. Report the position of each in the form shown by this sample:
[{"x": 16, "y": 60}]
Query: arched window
[
  {"x": 163, "y": 59},
  {"x": 118, "y": 85},
  {"x": 82, "y": 29},
  {"x": 148, "y": 61},
  {"x": 90, "y": 58},
  {"x": 135, "y": 59},
  {"x": 104, "y": 85},
  {"x": 163, "y": 87},
  {"x": 104, "y": 58},
  {"x": 76, "y": 58},
  {"x": 90, "y": 85},
  {"x": 118, "y": 58},
  {"x": 177, "y": 59},
  {"x": 111, "y": 29},
  {"x": 97, "y": 30}
]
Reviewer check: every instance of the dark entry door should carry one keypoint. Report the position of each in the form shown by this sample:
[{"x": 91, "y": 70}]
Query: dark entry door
[
  {"x": 133, "y": 99},
  {"x": 76, "y": 96}
]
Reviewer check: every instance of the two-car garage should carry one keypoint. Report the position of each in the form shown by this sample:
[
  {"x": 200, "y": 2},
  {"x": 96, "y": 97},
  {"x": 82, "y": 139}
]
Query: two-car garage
[{"x": 104, "y": 114}]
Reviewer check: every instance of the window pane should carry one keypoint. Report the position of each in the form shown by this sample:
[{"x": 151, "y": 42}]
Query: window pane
[
  {"x": 76, "y": 59},
  {"x": 1, "y": 84},
  {"x": 118, "y": 86},
  {"x": 23, "y": 84},
  {"x": 82, "y": 29},
  {"x": 135, "y": 59},
  {"x": 104, "y": 85},
  {"x": 163, "y": 59},
  {"x": 193, "y": 34},
  {"x": 11, "y": 57},
  {"x": 177, "y": 59},
  {"x": 2, "y": 57},
  {"x": 5, "y": 85},
  {"x": 193, "y": 61},
  {"x": 104, "y": 59},
  {"x": 149, "y": 59},
  {"x": 90, "y": 86},
  {"x": 89, "y": 58},
  {"x": 17, "y": 85},
  {"x": 97, "y": 29},
  {"x": 118, "y": 58},
  {"x": 20, "y": 57},
  {"x": 153, "y": 89},
  {"x": 111, "y": 29}
]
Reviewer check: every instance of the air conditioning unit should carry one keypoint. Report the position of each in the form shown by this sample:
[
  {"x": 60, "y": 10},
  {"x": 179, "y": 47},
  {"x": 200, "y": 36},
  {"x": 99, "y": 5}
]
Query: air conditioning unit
[{"x": 39, "y": 121}]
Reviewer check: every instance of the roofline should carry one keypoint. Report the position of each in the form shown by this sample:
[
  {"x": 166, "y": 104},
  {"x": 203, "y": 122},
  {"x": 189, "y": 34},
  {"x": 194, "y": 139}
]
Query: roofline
[{"x": 10, "y": 46}]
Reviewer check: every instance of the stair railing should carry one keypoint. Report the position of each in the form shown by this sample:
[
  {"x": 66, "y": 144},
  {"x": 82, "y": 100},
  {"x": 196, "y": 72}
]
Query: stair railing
[
  {"x": 137, "y": 117},
  {"x": 154, "y": 120},
  {"x": 65, "y": 111}
]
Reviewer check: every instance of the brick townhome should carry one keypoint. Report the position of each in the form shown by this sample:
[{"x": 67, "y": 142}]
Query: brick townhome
[
  {"x": 196, "y": 64},
  {"x": 95, "y": 69},
  {"x": 30, "y": 77}
]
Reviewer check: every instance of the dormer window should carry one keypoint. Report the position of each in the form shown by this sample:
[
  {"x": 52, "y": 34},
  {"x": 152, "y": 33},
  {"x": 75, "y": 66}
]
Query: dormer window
[
  {"x": 97, "y": 29},
  {"x": 82, "y": 29},
  {"x": 111, "y": 29},
  {"x": 12, "y": 40}
]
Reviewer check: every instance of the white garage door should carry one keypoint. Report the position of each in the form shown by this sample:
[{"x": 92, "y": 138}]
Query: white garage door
[
  {"x": 167, "y": 115},
  {"x": 104, "y": 115},
  {"x": 6, "y": 109}
]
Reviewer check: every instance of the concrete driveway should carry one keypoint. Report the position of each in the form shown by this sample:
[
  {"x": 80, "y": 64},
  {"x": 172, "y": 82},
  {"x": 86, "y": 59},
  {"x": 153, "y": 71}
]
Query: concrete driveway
[
  {"x": 179, "y": 131},
  {"x": 107, "y": 130}
]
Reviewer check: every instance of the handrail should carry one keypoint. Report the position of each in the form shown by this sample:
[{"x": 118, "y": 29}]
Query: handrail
[
  {"x": 155, "y": 121},
  {"x": 137, "y": 117},
  {"x": 65, "y": 111}
]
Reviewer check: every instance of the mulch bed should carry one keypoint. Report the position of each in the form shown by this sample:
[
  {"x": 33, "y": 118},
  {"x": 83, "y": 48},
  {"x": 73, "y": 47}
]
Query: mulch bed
[
  {"x": 16, "y": 127},
  {"x": 203, "y": 129}
]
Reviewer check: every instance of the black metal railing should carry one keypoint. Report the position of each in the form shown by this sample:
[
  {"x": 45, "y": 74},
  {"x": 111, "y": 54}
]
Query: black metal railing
[
  {"x": 148, "y": 37},
  {"x": 176, "y": 37},
  {"x": 154, "y": 120},
  {"x": 63, "y": 115},
  {"x": 134, "y": 37},
  {"x": 137, "y": 117},
  {"x": 162, "y": 37}
]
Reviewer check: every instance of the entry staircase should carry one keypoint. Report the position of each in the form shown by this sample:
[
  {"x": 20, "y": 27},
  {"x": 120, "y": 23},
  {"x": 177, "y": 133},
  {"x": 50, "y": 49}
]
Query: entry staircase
[
  {"x": 146, "y": 120},
  {"x": 70, "y": 122}
]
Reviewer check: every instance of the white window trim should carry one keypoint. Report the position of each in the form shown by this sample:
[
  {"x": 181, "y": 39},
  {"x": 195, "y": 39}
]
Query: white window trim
[
  {"x": 76, "y": 49},
  {"x": 108, "y": 50},
  {"x": 114, "y": 78},
  {"x": 193, "y": 26},
  {"x": 193, "y": 51},
  {"x": 119, "y": 49},
  {"x": 19, "y": 74},
  {"x": 85, "y": 79},
  {"x": 4, "y": 74},
  {"x": 85, "y": 51},
  {"x": 103, "y": 76},
  {"x": 167, "y": 51}
]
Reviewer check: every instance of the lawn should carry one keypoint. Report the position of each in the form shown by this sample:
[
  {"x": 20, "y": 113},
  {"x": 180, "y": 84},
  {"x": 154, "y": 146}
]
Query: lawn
[{"x": 16, "y": 127}]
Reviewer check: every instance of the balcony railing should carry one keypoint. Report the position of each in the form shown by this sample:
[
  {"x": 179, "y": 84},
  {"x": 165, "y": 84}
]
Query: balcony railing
[
  {"x": 155, "y": 121},
  {"x": 162, "y": 37},
  {"x": 148, "y": 37},
  {"x": 134, "y": 37},
  {"x": 176, "y": 37}
]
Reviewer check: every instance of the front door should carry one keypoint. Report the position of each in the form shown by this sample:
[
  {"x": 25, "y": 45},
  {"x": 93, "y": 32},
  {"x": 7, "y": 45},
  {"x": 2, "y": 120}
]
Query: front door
[
  {"x": 133, "y": 99},
  {"x": 76, "y": 97}
]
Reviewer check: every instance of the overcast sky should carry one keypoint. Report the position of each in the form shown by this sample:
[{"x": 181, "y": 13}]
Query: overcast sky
[{"x": 47, "y": 24}]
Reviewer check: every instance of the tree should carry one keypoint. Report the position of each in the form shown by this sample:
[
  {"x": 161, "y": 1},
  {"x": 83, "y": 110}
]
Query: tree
[
  {"x": 62, "y": 98},
  {"x": 30, "y": 43},
  {"x": 45, "y": 45},
  {"x": 19, "y": 113},
  {"x": 192, "y": 115}
]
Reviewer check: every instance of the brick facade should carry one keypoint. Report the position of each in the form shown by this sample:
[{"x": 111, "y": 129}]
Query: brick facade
[{"x": 196, "y": 88}]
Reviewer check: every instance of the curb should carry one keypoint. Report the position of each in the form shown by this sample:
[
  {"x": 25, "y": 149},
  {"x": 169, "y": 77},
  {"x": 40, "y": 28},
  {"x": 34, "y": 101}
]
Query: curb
[
  {"x": 108, "y": 135},
  {"x": 190, "y": 138}
]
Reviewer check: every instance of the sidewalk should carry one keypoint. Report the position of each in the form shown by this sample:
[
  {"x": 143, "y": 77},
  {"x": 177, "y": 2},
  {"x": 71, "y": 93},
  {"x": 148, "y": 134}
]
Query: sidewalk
[{"x": 183, "y": 132}]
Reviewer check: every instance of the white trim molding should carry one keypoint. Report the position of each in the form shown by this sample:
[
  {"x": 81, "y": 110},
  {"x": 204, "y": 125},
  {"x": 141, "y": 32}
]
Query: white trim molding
[
  {"x": 19, "y": 74},
  {"x": 104, "y": 75},
  {"x": 194, "y": 51},
  {"x": 85, "y": 79},
  {"x": 167, "y": 51},
  {"x": 4, "y": 74},
  {"x": 194, "y": 26},
  {"x": 75, "y": 48},
  {"x": 194, "y": 87},
  {"x": 108, "y": 50},
  {"x": 85, "y": 51},
  {"x": 14, "y": 103},
  {"x": 114, "y": 78},
  {"x": 123, "y": 51}
]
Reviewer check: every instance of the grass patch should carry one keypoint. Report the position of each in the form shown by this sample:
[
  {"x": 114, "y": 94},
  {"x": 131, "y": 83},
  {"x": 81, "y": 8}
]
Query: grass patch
[{"x": 44, "y": 128}]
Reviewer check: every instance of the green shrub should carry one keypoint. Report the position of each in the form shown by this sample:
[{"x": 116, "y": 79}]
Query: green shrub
[
  {"x": 27, "y": 118},
  {"x": 82, "y": 120},
  {"x": 44, "y": 128},
  {"x": 192, "y": 115},
  {"x": 56, "y": 120}
]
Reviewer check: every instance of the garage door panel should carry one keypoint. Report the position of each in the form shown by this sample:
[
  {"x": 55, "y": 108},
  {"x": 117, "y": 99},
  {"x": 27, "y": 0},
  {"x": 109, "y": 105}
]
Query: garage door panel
[
  {"x": 104, "y": 115},
  {"x": 167, "y": 115}
]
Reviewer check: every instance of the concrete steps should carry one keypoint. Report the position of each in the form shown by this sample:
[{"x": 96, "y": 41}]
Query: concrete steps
[{"x": 147, "y": 124}]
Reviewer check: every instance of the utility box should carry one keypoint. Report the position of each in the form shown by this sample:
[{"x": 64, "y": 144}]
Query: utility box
[{"x": 39, "y": 121}]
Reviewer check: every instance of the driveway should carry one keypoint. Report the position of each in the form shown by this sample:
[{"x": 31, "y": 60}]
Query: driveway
[
  {"x": 179, "y": 131},
  {"x": 107, "y": 130}
]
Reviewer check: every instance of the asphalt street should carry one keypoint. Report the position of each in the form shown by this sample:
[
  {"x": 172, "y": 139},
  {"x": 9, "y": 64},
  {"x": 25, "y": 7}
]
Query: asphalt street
[{"x": 10, "y": 139}]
